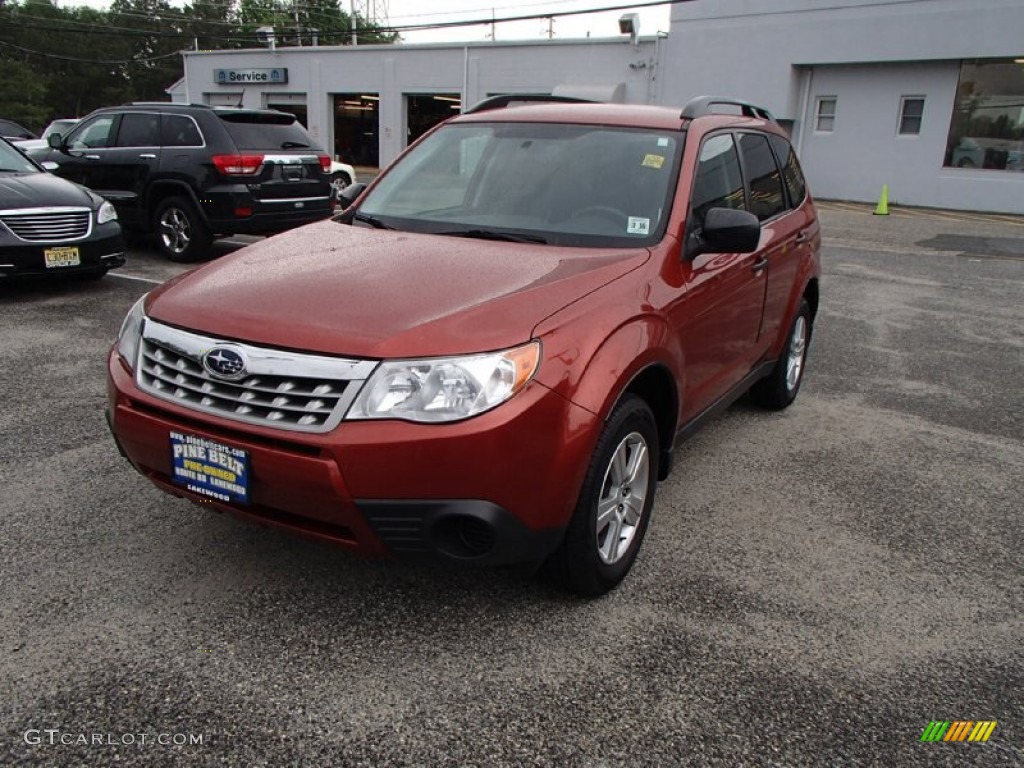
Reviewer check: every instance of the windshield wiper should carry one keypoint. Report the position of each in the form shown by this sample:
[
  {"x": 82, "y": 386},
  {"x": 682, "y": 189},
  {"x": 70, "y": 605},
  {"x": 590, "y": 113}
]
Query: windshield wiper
[
  {"x": 373, "y": 221},
  {"x": 293, "y": 145},
  {"x": 493, "y": 234}
]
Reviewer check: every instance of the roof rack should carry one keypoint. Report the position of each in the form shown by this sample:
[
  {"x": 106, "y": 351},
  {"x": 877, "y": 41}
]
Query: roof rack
[
  {"x": 502, "y": 101},
  {"x": 701, "y": 106}
]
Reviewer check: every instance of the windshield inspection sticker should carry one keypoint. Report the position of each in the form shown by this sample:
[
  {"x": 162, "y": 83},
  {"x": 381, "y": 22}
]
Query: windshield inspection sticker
[
  {"x": 653, "y": 161},
  {"x": 662, "y": 141},
  {"x": 638, "y": 225}
]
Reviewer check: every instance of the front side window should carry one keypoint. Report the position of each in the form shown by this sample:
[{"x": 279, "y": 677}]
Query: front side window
[
  {"x": 987, "y": 126},
  {"x": 94, "y": 134},
  {"x": 911, "y": 114},
  {"x": 139, "y": 130},
  {"x": 564, "y": 184},
  {"x": 825, "y": 115},
  {"x": 766, "y": 196},
  {"x": 718, "y": 182}
]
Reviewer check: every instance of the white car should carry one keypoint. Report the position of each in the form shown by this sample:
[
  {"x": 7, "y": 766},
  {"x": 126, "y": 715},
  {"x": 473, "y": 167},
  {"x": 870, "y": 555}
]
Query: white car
[
  {"x": 61, "y": 126},
  {"x": 342, "y": 175}
]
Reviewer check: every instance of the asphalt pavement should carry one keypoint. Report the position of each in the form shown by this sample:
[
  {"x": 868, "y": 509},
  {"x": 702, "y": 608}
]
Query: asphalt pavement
[{"x": 816, "y": 585}]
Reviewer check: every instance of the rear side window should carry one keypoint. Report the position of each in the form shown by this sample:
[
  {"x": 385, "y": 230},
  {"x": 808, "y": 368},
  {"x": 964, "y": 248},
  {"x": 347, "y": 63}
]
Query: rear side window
[
  {"x": 791, "y": 173},
  {"x": 253, "y": 130},
  {"x": 766, "y": 196},
  {"x": 719, "y": 183},
  {"x": 180, "y": 131},
  {"x": 138, "y": 130}
]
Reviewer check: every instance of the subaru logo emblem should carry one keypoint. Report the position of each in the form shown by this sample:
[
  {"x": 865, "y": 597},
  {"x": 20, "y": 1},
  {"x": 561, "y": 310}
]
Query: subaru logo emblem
[{"x": 224, "y": 363}]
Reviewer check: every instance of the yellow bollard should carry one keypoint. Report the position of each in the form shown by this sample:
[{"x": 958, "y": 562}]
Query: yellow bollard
[{"x": 883, "y": 202}]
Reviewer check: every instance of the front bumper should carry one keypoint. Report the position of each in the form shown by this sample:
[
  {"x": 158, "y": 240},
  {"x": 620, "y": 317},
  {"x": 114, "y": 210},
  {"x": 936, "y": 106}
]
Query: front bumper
[
  {"x": 499, "y": 488},
  {"x": 97, "y": 253}
]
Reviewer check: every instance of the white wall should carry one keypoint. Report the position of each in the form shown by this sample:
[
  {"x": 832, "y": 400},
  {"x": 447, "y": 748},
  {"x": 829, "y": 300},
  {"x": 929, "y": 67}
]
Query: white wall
[
  {"x": 778, "y": 53},
  {"x": 473, "y": 71}
]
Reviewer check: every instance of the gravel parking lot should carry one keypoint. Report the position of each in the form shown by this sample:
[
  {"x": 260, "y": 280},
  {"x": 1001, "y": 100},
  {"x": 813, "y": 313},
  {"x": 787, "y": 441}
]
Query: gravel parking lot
[{"x": 816, "y": 585}]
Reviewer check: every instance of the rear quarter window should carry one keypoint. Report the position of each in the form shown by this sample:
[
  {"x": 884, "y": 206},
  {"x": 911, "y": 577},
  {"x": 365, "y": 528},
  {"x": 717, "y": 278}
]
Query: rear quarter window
[
  {"x": 791, "y": 173},
  {"x": 254, "y": 130}
]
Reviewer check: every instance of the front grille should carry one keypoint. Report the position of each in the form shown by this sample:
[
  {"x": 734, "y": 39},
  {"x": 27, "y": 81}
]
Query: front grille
[
  {"x": 282, "y": 389},
  {"x": 48, "y": 225}
]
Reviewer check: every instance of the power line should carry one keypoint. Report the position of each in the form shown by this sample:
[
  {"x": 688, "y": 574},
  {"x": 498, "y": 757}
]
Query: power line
[
  {"x": 117, "y": 62},
  {"x": 241, "y": 37}
]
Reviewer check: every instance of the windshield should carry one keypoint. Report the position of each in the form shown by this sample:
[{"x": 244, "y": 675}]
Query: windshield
[
  {"x": 575, "y": 185},
  {"x": 13, "y": 161}
]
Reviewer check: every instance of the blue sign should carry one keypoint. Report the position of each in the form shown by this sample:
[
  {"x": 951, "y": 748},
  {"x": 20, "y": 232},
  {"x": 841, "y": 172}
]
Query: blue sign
[
  {"x": 210, "y": 468},
  {"x": 274, "y": 75}
]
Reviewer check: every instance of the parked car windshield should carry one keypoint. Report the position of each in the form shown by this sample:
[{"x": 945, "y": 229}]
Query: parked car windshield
[
  {"x": 13, "y": 161},
  {"x": 562, "y": 184}
]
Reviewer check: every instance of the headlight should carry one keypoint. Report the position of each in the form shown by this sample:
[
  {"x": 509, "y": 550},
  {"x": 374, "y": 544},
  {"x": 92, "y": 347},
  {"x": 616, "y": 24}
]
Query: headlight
[
  {"x": 445, "y": 388},
  {"x": 106, "y": 213},
  {"x": 130, "y": 335}
]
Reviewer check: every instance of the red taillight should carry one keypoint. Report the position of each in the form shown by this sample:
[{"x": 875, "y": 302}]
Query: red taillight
[
  {"x": 238, "y": 165},
  {"x": 243, "y": 212},
  {"x": 325, "y": 163}
]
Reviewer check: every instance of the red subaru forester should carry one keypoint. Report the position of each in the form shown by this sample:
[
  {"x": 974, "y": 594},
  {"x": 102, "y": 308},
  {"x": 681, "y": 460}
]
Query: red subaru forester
[{"x": 489, "y": 357}]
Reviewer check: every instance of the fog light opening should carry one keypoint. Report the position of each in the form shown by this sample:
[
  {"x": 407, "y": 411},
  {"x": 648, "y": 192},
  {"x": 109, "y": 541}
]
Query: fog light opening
[{"x": 463, "y": 537}]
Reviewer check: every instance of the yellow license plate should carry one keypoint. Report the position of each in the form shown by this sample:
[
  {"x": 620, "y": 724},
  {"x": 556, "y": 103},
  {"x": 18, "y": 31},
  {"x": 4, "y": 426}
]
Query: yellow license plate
[{"x": 62, "y": 257}]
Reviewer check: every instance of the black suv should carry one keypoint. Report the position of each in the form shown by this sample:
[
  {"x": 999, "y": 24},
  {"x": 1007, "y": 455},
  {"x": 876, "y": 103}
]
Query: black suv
[{"x": 191, "y": 172}]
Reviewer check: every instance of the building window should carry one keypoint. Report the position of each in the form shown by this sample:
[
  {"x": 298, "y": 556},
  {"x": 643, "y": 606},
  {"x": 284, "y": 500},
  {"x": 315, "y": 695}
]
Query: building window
[
  {"x": 911, "y": 112},
  {"x": 987, "y": 126},
  {"x": 826, "y": 114}
]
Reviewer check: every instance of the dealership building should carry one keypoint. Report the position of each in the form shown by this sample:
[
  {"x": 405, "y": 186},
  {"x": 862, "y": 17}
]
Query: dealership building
[{"x": 926, "y": 96}]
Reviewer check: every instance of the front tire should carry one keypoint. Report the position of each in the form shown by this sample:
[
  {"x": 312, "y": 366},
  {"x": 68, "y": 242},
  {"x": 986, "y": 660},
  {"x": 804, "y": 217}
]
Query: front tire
[
  {"x": 181, "y": 234},
  {"x": 611, "y": 516},
  {"x": 780, "y": 387}
]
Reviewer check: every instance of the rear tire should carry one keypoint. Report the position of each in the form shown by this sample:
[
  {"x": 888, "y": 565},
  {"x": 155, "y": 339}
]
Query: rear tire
[
  {"x": 614, "y": 507},
  {"x": 339, "y": 181},
  {"x": 780, "y": 387},
  {"x": 181, "y": 233}
]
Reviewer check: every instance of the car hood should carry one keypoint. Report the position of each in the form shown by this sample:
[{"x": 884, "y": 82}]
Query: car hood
[
  {"x": 31, "y": 190},
  {"x": 337, "y": 289}
]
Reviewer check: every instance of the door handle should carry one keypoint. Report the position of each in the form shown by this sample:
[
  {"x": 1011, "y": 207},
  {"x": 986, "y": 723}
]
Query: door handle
[
  {"x": 148, "y": 156},
  {"x": 92, "y": 157},
  {"x": 759, "y": 266}
]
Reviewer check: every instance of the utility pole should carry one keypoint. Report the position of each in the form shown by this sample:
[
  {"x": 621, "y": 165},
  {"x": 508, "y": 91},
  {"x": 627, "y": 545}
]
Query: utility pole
[
  {"x": 352, "y": 21},
  {"x": 298, "y": 33},
  {"x": 551, "y": 27}
]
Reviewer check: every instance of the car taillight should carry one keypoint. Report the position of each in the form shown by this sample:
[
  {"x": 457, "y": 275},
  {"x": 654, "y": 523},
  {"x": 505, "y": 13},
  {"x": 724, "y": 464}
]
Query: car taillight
[
  {"x": 325, "y": 163},
  {"x": 238, "y": 165}
]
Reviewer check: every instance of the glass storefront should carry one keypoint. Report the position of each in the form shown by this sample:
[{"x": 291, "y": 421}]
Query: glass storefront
[{"x": 987, "y": 128}]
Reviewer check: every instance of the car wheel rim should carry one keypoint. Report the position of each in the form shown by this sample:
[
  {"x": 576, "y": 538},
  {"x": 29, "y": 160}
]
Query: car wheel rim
[
  {"x": 623, "y": 493},
  {"x": 175, "y": 232},
  {"x": 797, "y": 348}
]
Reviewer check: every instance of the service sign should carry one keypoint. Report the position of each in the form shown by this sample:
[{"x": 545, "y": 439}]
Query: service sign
[
  {"x": 276, "y": 75},
  {"x": 210, "y": 468}
]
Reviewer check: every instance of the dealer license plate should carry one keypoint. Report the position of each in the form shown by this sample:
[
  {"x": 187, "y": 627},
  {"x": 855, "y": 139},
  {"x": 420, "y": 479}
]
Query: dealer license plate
[
  {"x": 210, "y": 468},
  {"x": 61, "y": 257}
]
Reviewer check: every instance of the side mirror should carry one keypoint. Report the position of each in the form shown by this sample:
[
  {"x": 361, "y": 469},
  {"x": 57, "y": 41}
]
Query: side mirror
[
  {"x": 49, "y": 165},
  {"x": 727, "y": 230},
  {"x": 348, "y": 195},
  {"x": 55, "y": 141}
]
